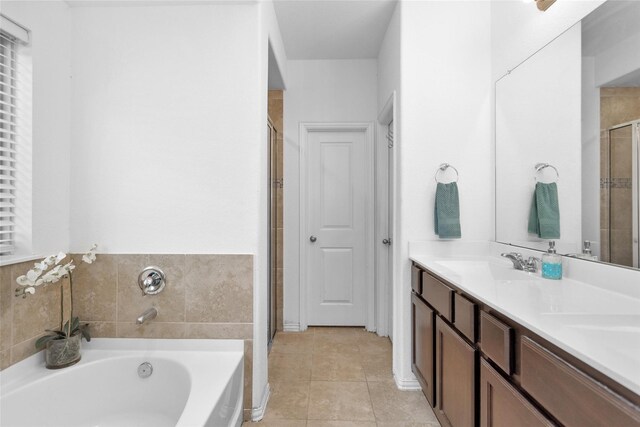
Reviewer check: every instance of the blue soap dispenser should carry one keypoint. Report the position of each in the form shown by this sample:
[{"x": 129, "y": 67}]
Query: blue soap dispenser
[{"x": 552, "y": 263}]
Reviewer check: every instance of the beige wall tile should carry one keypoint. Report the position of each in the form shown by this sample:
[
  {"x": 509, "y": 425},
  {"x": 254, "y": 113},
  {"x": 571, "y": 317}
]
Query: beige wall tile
[
  {"x": 102, "y": 329},
  {"x": 24, "y": 349},
  {"x": 95, "y": 288},
  {"x": 6, "y": 308},
  {"x": 152, "y": 329},
  {"x": 279, "y": 298},
  {"x": 219, "y": 288},
  {"x": 5, "y": 359},
  {"x": 170, "y": 302},
  {"x": 220, "y": 330},
  {"x": 37, "y": 312}
]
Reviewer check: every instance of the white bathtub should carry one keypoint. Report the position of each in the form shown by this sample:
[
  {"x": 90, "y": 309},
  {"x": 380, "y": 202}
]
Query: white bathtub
[{"x": 194, "y": 383}]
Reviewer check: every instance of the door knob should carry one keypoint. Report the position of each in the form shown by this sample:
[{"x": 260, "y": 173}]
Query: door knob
[
  {"x": 313, "y": 239},
  {"x": 386, "y": 242}
]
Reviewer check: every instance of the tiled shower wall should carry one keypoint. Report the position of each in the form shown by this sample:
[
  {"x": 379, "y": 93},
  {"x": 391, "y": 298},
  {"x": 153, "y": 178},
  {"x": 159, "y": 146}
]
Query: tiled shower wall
[
  {"x": 276, "y": 109},
  {"x": 617, "y": 106},
  {"x": 206, "y": 296}
]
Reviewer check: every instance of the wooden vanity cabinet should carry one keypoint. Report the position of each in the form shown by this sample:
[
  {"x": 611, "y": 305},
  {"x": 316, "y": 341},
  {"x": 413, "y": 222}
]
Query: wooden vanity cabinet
[
  {"x": 479, "y": 368},
  {"x": 455, "y": 377},
  {"x": 423, "y": 349}
]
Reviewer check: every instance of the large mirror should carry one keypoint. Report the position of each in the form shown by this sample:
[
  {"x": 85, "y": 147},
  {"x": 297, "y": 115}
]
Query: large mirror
[{"x": 567, "y": 130}]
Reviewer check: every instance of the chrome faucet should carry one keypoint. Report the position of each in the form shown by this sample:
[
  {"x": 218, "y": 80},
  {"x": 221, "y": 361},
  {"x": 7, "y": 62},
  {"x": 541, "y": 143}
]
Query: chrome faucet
[
  {"x": 519, "y": 263},
  {"x": 149, "y": 314}
]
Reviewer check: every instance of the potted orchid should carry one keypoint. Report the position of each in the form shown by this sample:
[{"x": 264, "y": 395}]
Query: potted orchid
[{"x": 62, "y": 345}]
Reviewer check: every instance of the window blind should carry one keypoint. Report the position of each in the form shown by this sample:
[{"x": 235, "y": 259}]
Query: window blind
[{"x": 8, "y": 145}]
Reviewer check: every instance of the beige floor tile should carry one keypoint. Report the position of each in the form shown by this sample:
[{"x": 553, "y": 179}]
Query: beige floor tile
[
  {"x": 289, "y": 366},
  {"x": 293, "y": 342},
  {"x": 344, "y": 401},
  {"x": 288, "y": 401},
  {"x": 377, "y": 366},
  {"x": 337, "y": 367},
  {"x": 321, "y": 423},
  {"x": 337, "y": 331},
  {"x": 338, "y": 343},
  {"x": 406, "y": 424},
  {"x": 276, "y": 423},
  {"x": 372, "y": 343},
  {"x": 391, "y": 404}
]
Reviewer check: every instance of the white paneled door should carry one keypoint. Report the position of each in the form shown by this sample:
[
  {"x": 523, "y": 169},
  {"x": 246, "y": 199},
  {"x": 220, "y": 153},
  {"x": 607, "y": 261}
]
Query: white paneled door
[{"x": 337, "y": 220}]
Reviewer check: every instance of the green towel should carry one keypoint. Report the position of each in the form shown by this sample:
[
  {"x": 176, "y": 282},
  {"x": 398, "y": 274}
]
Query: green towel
[
  {"x": 544, "y": 217},
  {"x": 447, "y": 211}
]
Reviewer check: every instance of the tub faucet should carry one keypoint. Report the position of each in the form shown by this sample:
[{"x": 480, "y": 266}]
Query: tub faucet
[
  {"x": 149, "y": 314},
  {"x": 519, "y": 263}
]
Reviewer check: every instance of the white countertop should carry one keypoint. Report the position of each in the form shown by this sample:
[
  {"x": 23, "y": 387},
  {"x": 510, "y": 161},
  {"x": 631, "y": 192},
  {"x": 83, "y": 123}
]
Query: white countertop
[{"x": 599, "y": 326}]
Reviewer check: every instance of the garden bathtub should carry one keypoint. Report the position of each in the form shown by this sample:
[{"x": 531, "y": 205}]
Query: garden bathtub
[{"x": 194, "y": 383}]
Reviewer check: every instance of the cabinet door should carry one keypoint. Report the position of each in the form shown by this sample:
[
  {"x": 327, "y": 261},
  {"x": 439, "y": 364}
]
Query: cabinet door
[
  {"x": 423, "y": 347},
  {"x": 455, "y": 377},
  {"x": 501, "y": 405}
]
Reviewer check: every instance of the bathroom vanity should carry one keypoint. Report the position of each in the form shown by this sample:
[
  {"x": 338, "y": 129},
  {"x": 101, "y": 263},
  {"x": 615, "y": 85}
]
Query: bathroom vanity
[{"x": 493, "y": 346}]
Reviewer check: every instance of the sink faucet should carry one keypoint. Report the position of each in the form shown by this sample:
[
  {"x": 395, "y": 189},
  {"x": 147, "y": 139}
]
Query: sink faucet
[
  {"x": 519, "y": 263},
  {"x": 149, "y": 314}
]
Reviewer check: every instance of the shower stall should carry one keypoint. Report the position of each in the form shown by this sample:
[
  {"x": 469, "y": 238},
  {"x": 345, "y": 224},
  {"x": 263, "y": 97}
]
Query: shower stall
[{"x": 619, "y": 184}]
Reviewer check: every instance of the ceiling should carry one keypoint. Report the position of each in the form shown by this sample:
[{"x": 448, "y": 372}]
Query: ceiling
[{"x": 333, "y": 29}]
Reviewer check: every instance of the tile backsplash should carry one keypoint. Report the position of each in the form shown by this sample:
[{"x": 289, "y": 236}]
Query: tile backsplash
[{"x": 206, "y": 296}]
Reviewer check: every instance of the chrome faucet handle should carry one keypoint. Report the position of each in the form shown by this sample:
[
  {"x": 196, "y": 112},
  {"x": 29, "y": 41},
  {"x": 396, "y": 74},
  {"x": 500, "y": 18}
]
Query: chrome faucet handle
[
  {"x": 516, "y": 259},
  {"x": 531, "y": 265}
]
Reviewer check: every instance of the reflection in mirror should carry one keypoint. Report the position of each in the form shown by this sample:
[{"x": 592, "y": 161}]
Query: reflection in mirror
[
  {"x": 575, "y": 104},
  {"x": 611, "y": 84}
]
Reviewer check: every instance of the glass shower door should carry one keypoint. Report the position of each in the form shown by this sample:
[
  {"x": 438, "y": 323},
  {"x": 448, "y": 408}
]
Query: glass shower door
[{"x": 622, "y": 195}]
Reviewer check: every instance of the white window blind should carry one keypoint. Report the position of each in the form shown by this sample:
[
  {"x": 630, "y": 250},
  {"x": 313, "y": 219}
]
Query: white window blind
[{"x": 8, "y": 141}]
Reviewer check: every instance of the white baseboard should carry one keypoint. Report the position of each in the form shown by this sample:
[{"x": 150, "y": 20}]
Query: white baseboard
[
  {"x": 291, "y": 327},
  {"x": 407, "y": 383},
  {"x": 258, "y": 413}
]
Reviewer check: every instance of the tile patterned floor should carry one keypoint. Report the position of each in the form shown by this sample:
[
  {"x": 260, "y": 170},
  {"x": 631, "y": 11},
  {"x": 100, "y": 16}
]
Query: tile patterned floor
[{"x": 338, "y": 377}]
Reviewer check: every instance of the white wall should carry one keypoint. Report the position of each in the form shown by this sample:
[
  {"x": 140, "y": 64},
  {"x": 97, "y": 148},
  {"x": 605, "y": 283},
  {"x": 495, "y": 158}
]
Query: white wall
[
  {"x": 519, "y": 29},
  {"x": 169, "y": 148},
  {"x": 317, "y": 91},
  {"x": 50, "y": 25},
  {"x": 165, "y": 129},
  {"x": 446, "y": 117}
]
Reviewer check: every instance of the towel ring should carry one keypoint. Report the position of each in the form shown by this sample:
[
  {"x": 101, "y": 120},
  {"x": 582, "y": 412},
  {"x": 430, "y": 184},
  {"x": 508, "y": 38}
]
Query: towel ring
[
  {"x": 541, "y": 166},
  {"x": 443, "y": 167}
]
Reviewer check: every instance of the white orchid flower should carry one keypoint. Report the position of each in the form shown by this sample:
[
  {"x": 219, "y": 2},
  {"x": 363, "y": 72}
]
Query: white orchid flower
[
  {"x": 31, "y": 279},
  {"x": 30, "y": 290},
  {"x": 60, "y": 257},
  {"x": 90, "y": 256}
]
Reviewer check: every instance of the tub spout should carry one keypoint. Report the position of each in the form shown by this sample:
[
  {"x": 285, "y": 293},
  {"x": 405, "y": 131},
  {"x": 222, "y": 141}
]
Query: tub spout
[{"x": 147, "y": 315}]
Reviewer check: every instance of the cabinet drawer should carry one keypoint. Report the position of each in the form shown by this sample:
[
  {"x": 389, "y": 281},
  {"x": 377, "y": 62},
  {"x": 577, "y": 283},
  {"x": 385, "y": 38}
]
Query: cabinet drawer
[
  {"x": 416, "y": 279},
  {"x": 439, "y": 295},
  {"x": 496, "y": 341},
  {"x": 465, "y": 316},
  {"x": 568, "y": 394}
]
